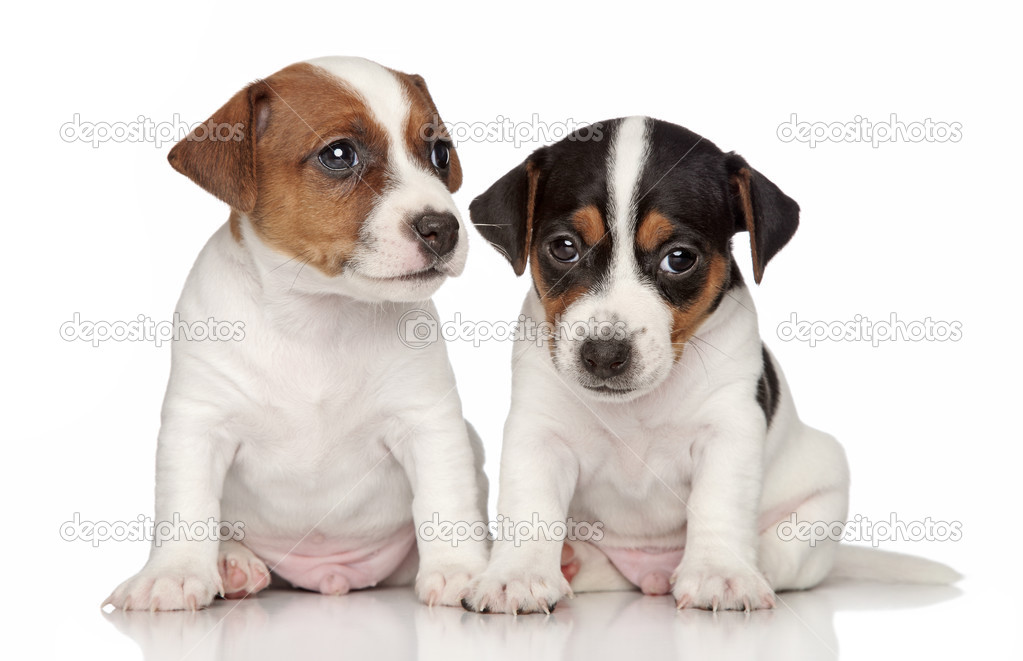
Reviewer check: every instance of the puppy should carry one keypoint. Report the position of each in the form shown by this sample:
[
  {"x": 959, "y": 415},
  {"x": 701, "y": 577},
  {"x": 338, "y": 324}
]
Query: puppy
[
  {"x": 664, "y": 422},
  {"x": 319, "y": 435}
]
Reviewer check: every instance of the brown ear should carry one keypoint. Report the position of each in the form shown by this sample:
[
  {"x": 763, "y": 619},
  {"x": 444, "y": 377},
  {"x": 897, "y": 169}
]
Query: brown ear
[
  {"x": 769, "y": 215},
  {"x": 219, "y": 154},
  {"x": 416, "y": 85}
]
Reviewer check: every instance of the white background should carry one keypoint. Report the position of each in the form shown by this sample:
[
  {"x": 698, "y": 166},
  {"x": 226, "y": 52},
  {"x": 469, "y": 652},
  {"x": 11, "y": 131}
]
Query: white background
[{"x": 921, "y": 230}]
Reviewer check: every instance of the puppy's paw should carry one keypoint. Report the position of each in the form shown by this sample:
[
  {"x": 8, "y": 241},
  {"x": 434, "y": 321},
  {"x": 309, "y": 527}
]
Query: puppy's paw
[
  {"x": 177, "y": 588},
  {"x": 523, "y": 591},
  {"x": 445, "y": 585},
  {"x": 241, "y": 572},
  {"x": 721, "y": 588}
]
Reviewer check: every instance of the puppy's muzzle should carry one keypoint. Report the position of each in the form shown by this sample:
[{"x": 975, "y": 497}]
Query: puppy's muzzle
[
  {"x": 437, "y": 232},
  {"x": 605, "y": 359}
]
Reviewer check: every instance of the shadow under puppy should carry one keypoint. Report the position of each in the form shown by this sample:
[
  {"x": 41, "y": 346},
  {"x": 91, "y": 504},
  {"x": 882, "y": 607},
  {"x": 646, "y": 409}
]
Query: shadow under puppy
[
  {"x": 320, "y": 432},
  {"x": 653, "y": 408}
]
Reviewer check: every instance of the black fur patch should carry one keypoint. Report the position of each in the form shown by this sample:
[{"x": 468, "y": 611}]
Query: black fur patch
[{"x": 767, "y": 388}]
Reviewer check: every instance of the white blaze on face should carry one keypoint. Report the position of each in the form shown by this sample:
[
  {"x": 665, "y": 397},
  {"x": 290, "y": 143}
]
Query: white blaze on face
[
  {"x": 623, "y": 298},
  {"x": 389, "y": 249}
]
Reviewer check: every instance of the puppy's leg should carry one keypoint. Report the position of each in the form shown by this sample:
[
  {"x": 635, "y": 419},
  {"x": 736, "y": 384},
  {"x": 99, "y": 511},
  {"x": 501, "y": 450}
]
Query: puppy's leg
[
  {"x": 818, "y": 497},
  {"x": 241, "y": 572},
  {"x": 719, "y": 567},
  {"x": 589, "y": 570},
  {"x": 538, "y": 478},
  {"x": 191, "y": 462},
  {"x": 444, "y": 463}
]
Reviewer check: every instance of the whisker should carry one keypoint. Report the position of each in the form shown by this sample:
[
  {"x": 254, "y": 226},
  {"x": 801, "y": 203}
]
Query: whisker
[
  {"x": 299, "y": 273},
  {"x": 289, "y": 261},
  {"x": 711, "y": 346}
]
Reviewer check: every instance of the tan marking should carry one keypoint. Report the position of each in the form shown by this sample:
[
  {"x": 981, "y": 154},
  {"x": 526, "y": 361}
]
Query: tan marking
[
  {"x": 532, "y": 176},
  {"x": 654, "y": 230},
  {"x": 589, "y": 222},
  {"x": 741, "y": 182},
  {"x": 234, "y": 221},
  {"x": 271, "y": 174},
  {"x": 554, "y": 306},
  {"x": 686, "y": 320},
  {"x": 424, "y": 124}
]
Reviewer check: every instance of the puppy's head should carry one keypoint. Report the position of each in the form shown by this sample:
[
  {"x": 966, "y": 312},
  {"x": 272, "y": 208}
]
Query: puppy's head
[
  {"x": 628, "y": 240},
  {"x": 343, "y": 167}
]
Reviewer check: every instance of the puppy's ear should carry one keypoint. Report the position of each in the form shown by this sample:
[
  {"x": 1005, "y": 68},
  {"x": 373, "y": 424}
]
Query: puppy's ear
[
  {"x": 504, "y": 213},
  {"x": 219, "y": 154},
  {"x": 417, "y": 84},
  {"x": 760, "y": 208}
]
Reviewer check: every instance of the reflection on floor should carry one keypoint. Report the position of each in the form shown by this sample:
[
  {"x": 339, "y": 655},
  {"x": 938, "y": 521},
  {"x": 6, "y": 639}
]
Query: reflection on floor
[{"x": 390, "y": 624}]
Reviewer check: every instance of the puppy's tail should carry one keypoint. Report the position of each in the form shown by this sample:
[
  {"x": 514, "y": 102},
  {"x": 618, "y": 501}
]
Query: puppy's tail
[{"x": 864, "y": 563}]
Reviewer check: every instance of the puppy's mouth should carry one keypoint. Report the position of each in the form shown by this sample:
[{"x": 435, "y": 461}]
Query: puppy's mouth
[
  {"x": 608, "y": 390},
  {"x": 425, "y": 275}
]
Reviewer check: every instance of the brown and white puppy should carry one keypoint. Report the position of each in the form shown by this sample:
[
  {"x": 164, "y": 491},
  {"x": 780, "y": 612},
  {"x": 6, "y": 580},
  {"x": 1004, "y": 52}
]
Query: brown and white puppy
[
  {"x": 320, "y": 435},
  {"x": 667, "y": 422}
]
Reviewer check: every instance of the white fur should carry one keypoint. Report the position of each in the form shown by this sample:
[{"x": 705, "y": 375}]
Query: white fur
[{"x": 319, "y": 427}]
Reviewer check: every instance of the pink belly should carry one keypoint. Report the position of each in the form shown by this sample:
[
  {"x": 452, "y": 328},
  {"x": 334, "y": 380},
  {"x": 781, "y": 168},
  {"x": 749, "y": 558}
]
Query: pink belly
[
  {"x": 331, "y": 566},
  {"x": 648, "y": 569}
]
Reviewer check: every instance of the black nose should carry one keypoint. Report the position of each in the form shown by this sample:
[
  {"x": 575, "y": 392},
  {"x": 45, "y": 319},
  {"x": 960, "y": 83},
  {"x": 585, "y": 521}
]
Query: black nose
[
  {"x": 438, "y": 233},
  {"x": 605, "y": 358}
]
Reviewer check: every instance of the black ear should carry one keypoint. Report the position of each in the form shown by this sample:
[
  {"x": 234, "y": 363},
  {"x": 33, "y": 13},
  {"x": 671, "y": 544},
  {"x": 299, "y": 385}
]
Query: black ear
[
  {"x": 504, "y": 213},
  {"x": 760, "y": 208}
]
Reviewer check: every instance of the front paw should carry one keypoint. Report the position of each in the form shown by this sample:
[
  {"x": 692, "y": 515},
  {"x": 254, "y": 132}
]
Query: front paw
[
  {"x": 721, "y": 588},
  {"x": 517, "y": 591},
  {"x": 445, "y": 584},
  {"x": 182, "y": 587}
]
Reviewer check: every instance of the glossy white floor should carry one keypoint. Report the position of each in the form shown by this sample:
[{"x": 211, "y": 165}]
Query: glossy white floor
[{"x": 839, "y": 620}]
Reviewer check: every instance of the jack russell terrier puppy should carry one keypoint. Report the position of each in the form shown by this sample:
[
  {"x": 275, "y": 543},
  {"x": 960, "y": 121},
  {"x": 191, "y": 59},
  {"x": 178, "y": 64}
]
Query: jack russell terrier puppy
[
  {"x": 320, "y": 432},
  {"x": 674, "y": 429}
]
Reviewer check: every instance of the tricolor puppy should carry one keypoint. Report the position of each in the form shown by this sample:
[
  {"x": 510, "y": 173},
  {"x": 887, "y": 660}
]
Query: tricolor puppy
[
  {"x": 319, "y": 432},
  {"x": 665, "y": 419}
]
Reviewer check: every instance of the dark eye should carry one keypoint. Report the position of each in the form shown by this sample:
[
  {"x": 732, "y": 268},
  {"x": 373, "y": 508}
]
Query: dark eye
[
  {"x": 679, "y": 260},
  {"x": 563, "y": 249},
  {"x": 441, "y": 155},
  {"x": 340, "y": 155}
]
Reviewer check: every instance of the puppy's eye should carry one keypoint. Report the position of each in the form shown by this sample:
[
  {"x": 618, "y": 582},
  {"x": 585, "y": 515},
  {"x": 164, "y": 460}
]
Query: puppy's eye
[
  {"x": 679, "y": 260},
  {"x": 564, "y": 250},
  {"x": 441, "y": 155},
  {"x": 339, "y": 155}
]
